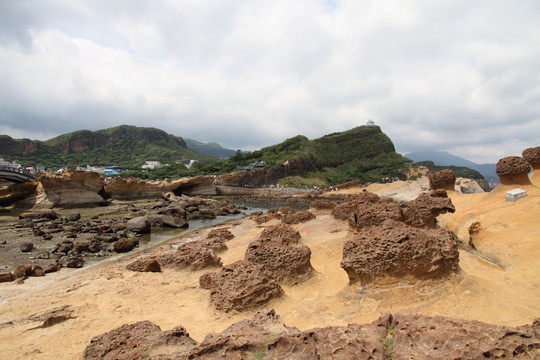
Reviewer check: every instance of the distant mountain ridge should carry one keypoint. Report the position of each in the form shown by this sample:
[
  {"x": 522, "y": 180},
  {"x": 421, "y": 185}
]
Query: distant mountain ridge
[
  {"x": 122, "y": 145},
  {"x": 211, "y": 148},
  {"x": 444, "y": 158}
]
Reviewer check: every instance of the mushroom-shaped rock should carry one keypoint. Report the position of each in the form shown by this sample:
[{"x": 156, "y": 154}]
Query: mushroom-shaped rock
[
  {"x": 139, "y": 340},
  {"x": 395, "y": 250},
  {"x": 240, "y": 286},
  {"x": 194, "y": 255},
  {"x": 374, "y": 213},
  {"x": 513, "y": 170},
  {"x": 344, "y": 210},
  {"x": 423, "y": 211},
  {"x": 282, "y": 254},
  {"x": 444, "y": 179},
  {"x": 532, "y": 155}
]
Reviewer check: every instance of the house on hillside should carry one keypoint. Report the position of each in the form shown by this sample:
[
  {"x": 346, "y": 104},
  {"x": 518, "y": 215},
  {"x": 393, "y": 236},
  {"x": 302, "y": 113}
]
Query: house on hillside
[{"x": 150, "y": 165}]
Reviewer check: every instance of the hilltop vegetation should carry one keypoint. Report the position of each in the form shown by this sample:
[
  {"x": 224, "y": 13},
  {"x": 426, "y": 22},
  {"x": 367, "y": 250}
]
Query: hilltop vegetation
[
  {"x": 124, "y": 145},
  {"x": 363, "y": 153}
]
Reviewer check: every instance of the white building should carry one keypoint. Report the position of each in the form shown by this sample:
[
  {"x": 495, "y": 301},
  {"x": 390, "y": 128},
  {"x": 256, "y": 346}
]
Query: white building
[{"x": 149, "y": 165}]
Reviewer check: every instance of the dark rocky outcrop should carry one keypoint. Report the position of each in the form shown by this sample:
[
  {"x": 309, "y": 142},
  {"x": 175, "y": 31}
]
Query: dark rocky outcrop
[
  {"x": 322, "y": 204},
  {"x": 282, "y": 254},
  {"x": 138, "y": 341},
  {"x": 297, "y": 217},
  {"x": 444, "y": 179},
  {"x": 513, "y": 170},
  {"x": 6, "y": 276},
  {"x": 532, "y": 155},
  {"x": 423, "y": 211},
  {"x": 240, "y": 286},
  {"x": 395, "y": 250},
  {"x": 123, "y": 245},
  {"x": 140, "y": 225}
]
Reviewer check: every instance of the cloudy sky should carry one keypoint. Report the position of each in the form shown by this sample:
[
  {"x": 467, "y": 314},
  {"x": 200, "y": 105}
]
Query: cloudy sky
[{"x": 460, "y": 75}]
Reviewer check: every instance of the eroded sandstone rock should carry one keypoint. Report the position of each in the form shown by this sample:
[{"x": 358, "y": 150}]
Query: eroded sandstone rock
[
  {"x": 374, "y": 213},
  {"x": 513, "y": 170},
  {"x": 297, "y": 217},
  {"x": 444, "y": 179},
  {"x": 323, "y": 204},
  {"x": 282, "y": 254},
  {"x": 344, "y": 210},
  {"x": 144, "y": 264},
  {"x": 423, "y": 211},
  {"x": 240, "y": 286},
  {"x": 194, "y": 255},
  {"x": 532, "y": 155},
  {"x": 395, "y": 250}
]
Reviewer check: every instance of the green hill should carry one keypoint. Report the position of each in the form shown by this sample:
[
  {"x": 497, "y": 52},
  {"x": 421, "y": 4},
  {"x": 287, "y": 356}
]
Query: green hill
[
  {"x": 123, "y": 146},
  {"x": 363, "y": 153}
]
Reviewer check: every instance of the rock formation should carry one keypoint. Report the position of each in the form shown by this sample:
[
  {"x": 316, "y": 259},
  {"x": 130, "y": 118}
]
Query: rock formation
[
  {"x": 513, "y": 170},
  {"x": 471, "y": 186},
  {"x": 395, "y": 250},
  {"x": 344, "y": 210},
  {"x": 423, "y": 211},
  {"x": 374, "y": 213},
  {"x": 444, "y": 179},
  {"x": 266, "y": 336},
  {"x": 282, "y": 254},
  {"x": 297, "y": 217},
  {"x": 194, "y": 255},
  {"x": 532, "y": 155},
  {"x": 322, "y": 204},
  {"x": 144, "y": 264},
  {"x": 240, "y": 286},
  {"x": 137, "y": 341}
]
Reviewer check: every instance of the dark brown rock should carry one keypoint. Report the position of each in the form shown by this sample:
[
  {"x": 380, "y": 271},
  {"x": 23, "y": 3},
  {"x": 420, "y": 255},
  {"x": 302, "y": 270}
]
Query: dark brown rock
[
  {"x": 344, "y": 210},
  {"x": 266, "y": 217},
  {"x": 426, "y": 337},
  {"x": 532, "y": 155},
  {"x": 73, "y": 261},
  {"x": 194, "y": 255},
  {"x": 123, "y": 245},
  {"x": 74, "y": 216},
  {"x": 282, "y": 254},
  {"x": 144, "y": 264},
  {"x": 140, "y": 340},
  {"x": 297, "y": 217},
  {"x": 39, "y": 214},
  {"x": 374, "y": 213},
  {"x": 81, "y": 245},
  {"x": 104, "y": 229},
  {"x": 396, "y": 250},
  {"x": 53, "y": 268},
  {"x": 6, "y": 276},
  {"x": 22, "y": 271},
  {"x": 323, "y": 204},
  {"x": 37, "y": 271},
  {"x": 64, "y": 247},
  {"x": 119, "y": 227},
  {"x": 513, "y": 170},
  {"x": 240, "y": 286},
  {"x": 423, "y": 211},
  {"x": 215, "y": 243},
  {"x": 444, "y": 179}
]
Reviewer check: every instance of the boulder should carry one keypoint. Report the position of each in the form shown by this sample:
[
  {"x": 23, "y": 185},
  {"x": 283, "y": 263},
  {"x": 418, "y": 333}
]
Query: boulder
[
  {"x": 26, "y": 247},
  {"x": 167, "y": 221},
  {"x": 344, "y": 210},
  {"x": 194, "y": 255},
  {"x": 73, "y": 261},
  {"x": 322, "y": 204},
  {"x": 374, "y": 213},
  {"x": 471, "y": 186},
  {"x": 74, "y": 216},
  {"x": 6, "y": 276},
  {"x": 297, "y": 217},
  {"x": 37, "y": 271},
  {"x": 144, "y": 264},
  {"x": 22, "y": 271},
  {"x": 395, "y": 250},
  {"x": 224, "y": 234},
  {"x": 81, "y": 246},
  {"x": 39, "y": 214},
  {"x": 437, "y": 337},
  {"x": 140, "y": 340},
  {"x": 423, "y": 211},
  {"x": 444, "y": 179},
  {"x": 140, "y": 225},
  {"x": 123, "y": 245},
  {"x": 270, "y": 215},
  {"x": 513, "y": 170},
  {"x": 282, "y": 254},
  {"x": 240, "y": 286},
  {"x": 532, "y": 155}
]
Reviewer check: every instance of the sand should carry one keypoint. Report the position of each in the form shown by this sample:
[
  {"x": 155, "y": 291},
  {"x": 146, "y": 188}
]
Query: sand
[{"x": 499, "y": 283}]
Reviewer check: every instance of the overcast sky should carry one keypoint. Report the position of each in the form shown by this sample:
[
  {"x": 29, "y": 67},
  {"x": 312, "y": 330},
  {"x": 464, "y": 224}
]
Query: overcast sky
[{"x": 461, "y": 76}]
